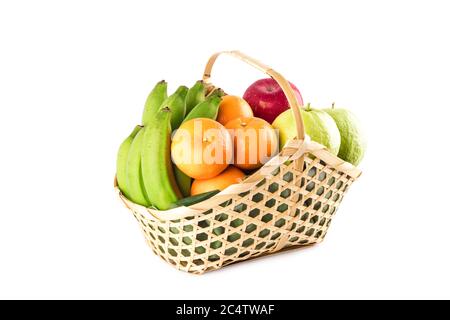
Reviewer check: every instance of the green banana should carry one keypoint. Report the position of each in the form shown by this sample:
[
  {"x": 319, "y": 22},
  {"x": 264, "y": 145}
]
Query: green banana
[
  {"x": 189, "y": 201},
  {"x": 177, "y": 105},
  {"x": 122, "y": 158},
  {"x": 183, "y": 181},
  {"x": 195, "y": 95},
  {"x": 136, "y": 188},
  {"x": 154, "y": 101},
  {"x": 157, "y": 171},
  {"x": 207, "y": 109}
]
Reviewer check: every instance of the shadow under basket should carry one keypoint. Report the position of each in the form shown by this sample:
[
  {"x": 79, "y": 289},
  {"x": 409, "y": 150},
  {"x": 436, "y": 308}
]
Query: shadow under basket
[{"x": 287, "y": 203}]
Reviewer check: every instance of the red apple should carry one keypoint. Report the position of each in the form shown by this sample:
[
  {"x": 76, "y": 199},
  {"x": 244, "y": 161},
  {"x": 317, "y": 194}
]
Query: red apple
[{"x": 267, "y": 99}]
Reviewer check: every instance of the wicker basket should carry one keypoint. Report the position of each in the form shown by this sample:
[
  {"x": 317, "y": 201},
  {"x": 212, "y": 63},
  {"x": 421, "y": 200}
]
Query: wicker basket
[{"x": 289, "y": 202}]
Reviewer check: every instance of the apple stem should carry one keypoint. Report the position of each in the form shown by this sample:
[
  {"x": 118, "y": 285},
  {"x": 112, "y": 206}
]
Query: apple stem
[
  {"x": 308, "y": 106},
  {"x": 332, "y": 105}
]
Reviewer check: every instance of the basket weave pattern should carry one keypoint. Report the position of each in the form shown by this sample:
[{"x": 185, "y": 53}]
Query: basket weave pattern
[
  {"x": 289, "y": 202},
  {"x": 288, "y": 208}
]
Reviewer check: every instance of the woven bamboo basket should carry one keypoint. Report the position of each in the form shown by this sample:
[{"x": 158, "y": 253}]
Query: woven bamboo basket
[{"x": 287, "y": 203}]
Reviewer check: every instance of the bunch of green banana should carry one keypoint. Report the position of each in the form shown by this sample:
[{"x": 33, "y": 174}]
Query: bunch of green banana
[
  {"x": 145, "y": 173},
  {"x": 129, "y": 162}
]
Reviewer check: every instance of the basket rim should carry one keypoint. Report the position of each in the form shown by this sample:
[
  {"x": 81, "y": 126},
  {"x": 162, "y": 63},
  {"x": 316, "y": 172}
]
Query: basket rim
[{"x": 293, "y": 150}]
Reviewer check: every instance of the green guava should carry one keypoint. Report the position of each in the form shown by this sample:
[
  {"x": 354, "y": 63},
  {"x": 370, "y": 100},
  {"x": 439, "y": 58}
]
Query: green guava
[
  {"x": 318, "y": 125},
  {"x": 353, "y": 141}
]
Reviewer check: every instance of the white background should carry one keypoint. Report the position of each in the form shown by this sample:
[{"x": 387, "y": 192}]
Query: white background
[{"x": 73, "y": 79}]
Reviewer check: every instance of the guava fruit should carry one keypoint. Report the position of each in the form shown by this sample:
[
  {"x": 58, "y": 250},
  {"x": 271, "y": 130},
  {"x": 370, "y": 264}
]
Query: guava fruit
[
  {"x": 353, "y": 141},
  {"x": 318, "y": 125}
]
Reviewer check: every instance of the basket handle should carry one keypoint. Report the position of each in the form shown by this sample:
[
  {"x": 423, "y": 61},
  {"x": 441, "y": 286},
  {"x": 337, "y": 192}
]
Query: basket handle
[{"x": 284, "y": 84}]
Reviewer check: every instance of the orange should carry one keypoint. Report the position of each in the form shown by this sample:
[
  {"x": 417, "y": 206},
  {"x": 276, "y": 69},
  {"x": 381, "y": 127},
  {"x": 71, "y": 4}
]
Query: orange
[
  {"x": 232, "y": 107},
  {"x": 201, "y": 148},
  {"x": 230, "y": 176},
  {"x": 255, "y": 142}
]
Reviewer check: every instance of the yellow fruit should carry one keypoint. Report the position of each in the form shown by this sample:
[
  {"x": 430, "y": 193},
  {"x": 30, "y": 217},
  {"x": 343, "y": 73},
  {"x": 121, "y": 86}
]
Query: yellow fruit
[
  {"x": 232, "y": 107},
  {"x": 255, "y": 142},
  {"x": 201, "y": 148}
]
